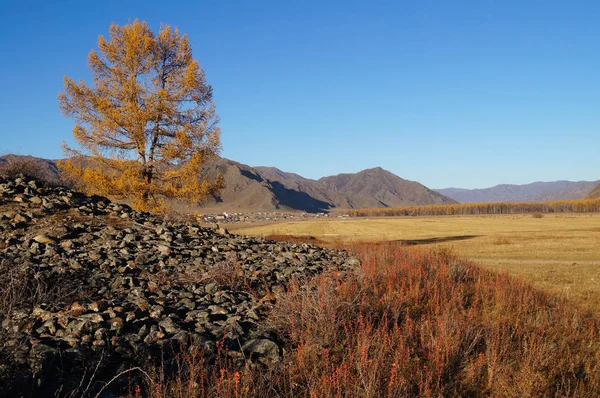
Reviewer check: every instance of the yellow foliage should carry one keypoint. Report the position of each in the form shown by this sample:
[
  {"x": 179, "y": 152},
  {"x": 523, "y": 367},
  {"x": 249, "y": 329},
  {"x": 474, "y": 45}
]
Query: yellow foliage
[
  {"x": 559, "y": 206},
  {"x": 147, "y": 124}
]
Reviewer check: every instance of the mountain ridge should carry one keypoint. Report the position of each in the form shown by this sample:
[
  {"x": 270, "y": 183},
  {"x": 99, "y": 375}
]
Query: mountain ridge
[
  {"x": 594, "y": 193},
  {"x": 369, "y": 188},
  {"x": 269, "y": 188},
  {"x": 539, "y": 191}
]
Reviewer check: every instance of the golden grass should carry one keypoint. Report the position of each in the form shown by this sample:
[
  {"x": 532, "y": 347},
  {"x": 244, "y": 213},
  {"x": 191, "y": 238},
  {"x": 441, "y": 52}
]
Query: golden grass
[{"x": 559, "y": 252}]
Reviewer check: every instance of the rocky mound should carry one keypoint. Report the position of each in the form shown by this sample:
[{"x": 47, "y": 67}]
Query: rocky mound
[{"x": 84, "y": 281}]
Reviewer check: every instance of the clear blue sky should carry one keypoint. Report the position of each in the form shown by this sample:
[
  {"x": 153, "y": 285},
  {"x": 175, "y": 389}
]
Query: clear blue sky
[{"x": 449, "y": 93}]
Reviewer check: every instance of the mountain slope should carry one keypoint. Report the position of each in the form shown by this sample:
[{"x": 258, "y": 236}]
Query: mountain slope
[
  {"x": 246, "y": 189},
  {"x": 534, "y": 192},
  {"x": 34, "y": 167},
  {"x": 594, "y": 194},
  {"x": 366, "y": 189},
  {"x": 378, "y": 188},
  {"x": 268, "y": 188}
]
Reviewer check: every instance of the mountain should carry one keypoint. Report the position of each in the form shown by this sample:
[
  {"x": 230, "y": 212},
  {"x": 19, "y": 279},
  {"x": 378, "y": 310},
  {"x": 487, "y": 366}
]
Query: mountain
[
  {"x": 366, "y": 189},
  {"x": 594, "y": 194},
  {"x": 246, "y": 189},
  {"x": 268, "y": 188},
  {"x": 378, "y": 188},
  {"x": 33, "y": 167},
  {"x": 534, "y": 192}
]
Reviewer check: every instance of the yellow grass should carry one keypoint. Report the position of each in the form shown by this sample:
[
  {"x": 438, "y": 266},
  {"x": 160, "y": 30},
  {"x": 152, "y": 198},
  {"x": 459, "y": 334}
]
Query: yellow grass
[{"x": 558, "y": 252}]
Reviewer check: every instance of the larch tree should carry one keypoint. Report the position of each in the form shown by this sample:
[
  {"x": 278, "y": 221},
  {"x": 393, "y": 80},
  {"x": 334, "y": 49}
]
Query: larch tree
[{"x": 147, "y": 124}]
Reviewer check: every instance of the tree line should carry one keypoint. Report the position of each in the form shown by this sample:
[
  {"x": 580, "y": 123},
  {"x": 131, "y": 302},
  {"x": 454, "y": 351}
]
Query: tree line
[{"x": 560, "y": 206}]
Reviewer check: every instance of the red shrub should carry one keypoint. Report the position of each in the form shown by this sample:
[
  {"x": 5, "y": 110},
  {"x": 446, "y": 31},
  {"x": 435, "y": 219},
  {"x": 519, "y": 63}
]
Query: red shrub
[{"x": 416, "y": 323}]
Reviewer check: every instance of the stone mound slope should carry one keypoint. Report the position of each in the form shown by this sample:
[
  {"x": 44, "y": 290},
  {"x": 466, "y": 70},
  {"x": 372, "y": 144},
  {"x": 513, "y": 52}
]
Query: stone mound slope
[{"x": 87, "y": 281}]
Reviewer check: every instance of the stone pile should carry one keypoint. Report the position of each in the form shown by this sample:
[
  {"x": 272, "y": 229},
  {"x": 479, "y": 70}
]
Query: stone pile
[{"x": 98, "y": 281}]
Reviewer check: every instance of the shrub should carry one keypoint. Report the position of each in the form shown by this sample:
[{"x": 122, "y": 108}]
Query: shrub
[
  {"x": 560, "y": 206},
  {"x": 412, "y": 323},
  {"x": 23, "y": 289}
]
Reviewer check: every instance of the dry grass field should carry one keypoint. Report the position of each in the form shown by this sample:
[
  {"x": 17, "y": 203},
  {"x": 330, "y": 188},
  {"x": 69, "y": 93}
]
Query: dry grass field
[{"x": 557, "y": 252}]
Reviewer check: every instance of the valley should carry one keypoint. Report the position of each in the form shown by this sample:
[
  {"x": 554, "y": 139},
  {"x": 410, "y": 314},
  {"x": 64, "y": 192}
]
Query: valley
[
  {"x": 559, "y": 253},
  {"x": 297, "y": 200}
]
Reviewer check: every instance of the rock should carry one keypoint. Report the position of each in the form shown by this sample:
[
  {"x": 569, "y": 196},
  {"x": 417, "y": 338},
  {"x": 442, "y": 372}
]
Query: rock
[
  {"x": 77, "y": 308},
  {"x": 97, "y": 306},
  {"x": 217, "y": 310},
  {"x": 168, "y": 325},
  {"x": 43, "y": 239},
  {"x": 67, "y": 244},
  {"x": 352, "y": 262},
  {"x": 20, "y": 218},
  {"x": 156, "y": 311},
  {"x": 263, "y": 348},
  {"x": 42, "y": 357},
  {"x": 137, "y": 284},
  {"x": 93, "y": 317},
  {"x": 116, "y": 323},
  {"x": 9, "y": 215},
  {"x": 164, "y": 250}
]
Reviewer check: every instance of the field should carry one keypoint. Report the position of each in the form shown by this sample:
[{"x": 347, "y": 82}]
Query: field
[{"x": 557, "y": 252}]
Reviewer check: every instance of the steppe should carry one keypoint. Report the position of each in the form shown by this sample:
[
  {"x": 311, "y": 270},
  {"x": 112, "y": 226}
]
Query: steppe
[{"x": 557, "y": 252}]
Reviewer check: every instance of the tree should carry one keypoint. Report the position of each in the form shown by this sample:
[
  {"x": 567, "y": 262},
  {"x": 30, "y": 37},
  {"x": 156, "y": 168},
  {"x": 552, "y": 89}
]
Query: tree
[{"x": 147, "y": 124}]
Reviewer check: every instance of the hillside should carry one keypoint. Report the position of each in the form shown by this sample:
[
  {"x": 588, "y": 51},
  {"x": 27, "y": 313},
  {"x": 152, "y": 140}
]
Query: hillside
[
  {"x": 594, "y": 194},
  {"x": 371, "y": 188},
  {"x": 36, "y": 167},
  {"x": 378, "y": 188},
  {"x": 534, "y": 192},
  {"x": 244, "y": 187},
  {"x": 268, "y": 188}
]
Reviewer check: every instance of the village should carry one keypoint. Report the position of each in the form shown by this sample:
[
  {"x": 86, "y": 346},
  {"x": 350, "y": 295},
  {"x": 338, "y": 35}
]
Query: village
[{"x": 252, "y": 217}]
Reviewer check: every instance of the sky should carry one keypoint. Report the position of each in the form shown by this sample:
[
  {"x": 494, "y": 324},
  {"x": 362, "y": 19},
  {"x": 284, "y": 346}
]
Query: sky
[{"x": 458, "y": 93}]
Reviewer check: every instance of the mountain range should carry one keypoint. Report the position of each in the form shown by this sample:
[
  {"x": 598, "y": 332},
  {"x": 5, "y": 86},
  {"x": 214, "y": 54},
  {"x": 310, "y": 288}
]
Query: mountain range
[
  {"x": 594, "y": 194},
  {"x": 534, "y": 192},
  {"x": 268, "y": 188}
]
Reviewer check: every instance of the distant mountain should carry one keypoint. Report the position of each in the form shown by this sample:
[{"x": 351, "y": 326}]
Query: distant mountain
[
  {"x": 594, "y": 194},
  {"x": 534, "y": 192},
  {"x": 32, "y": 166},
  {"x": 268, "y": 188},
  {"x": 369, "y": 188},
  {"x": 274, "y": 174},
  {"x": 246, "y": 189},
  {"x": 378, "y": 188}
]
